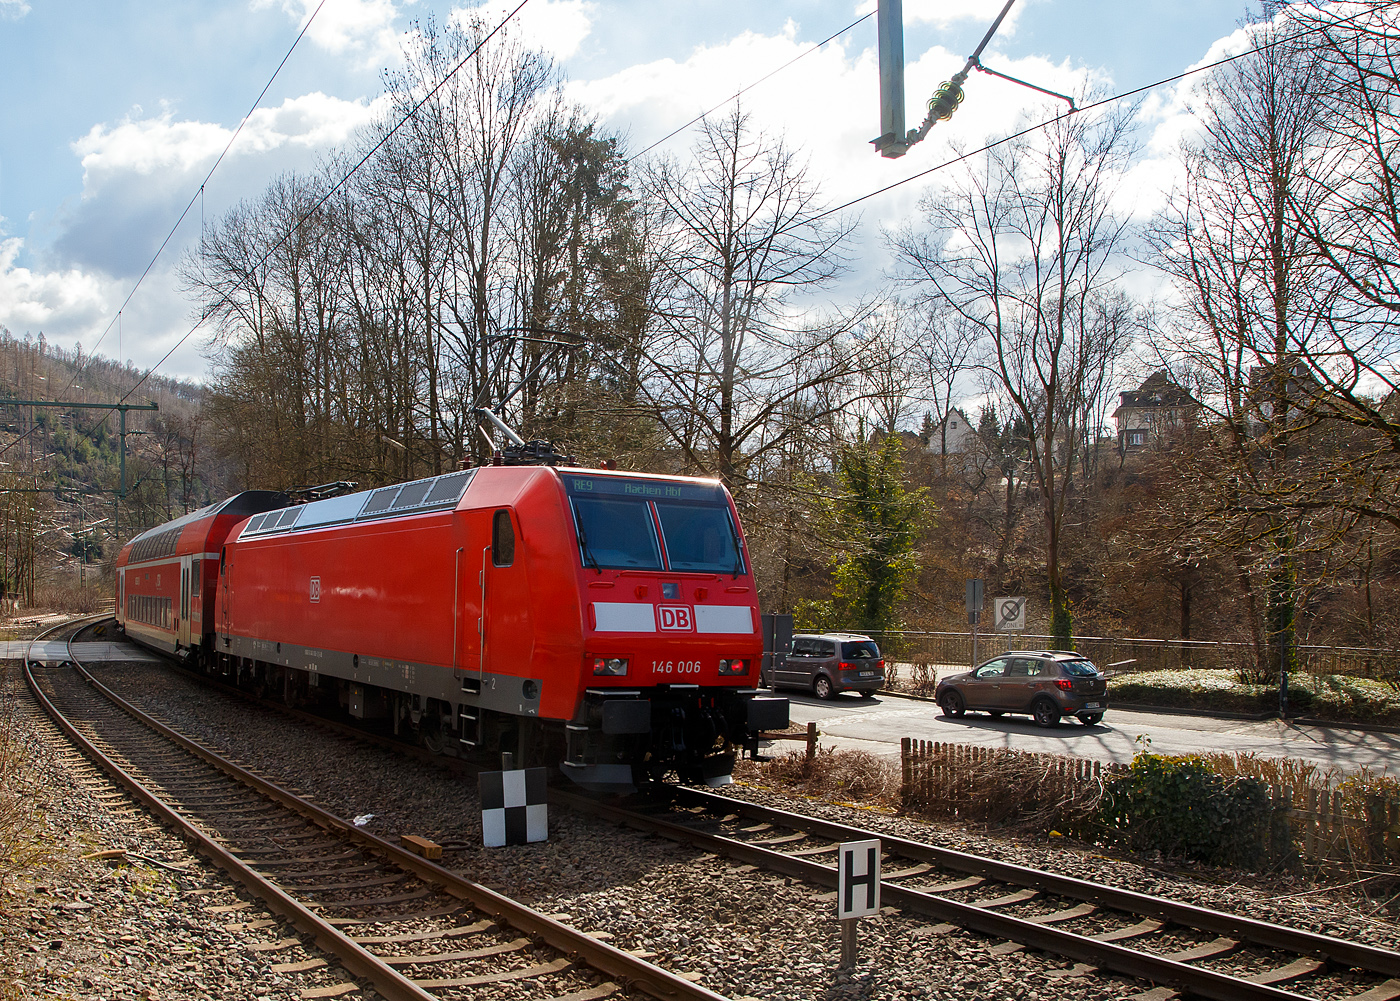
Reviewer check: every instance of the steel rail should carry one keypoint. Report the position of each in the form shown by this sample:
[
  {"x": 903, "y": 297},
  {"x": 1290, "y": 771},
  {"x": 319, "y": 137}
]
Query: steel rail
[
  {"x": 1264, "y": 933},
  {"x": 1106, "y": 955},
  {"x": 597, "y": 954},
  {"x": 386, "y": 980}
]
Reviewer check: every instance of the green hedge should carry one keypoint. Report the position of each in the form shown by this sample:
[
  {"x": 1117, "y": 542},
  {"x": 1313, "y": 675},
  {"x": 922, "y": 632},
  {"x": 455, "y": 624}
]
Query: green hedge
[
  {"x": 1178, "y": 805},
  {"x": 1333, "y": 696}
]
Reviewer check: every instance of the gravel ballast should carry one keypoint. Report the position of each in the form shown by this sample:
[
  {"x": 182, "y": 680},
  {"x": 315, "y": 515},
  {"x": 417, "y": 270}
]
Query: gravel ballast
[
  {"x": 119, "y": 907},
  {"x": 739, "y": 931}
]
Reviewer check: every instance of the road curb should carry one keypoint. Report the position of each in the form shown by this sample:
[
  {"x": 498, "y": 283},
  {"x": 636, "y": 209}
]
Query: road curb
[{"x": 1139, "y": 707}]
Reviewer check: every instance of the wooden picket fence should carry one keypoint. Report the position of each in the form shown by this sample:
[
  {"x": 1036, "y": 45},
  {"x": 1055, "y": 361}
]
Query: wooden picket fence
[
  {"x": 1325, "y": 834},
  {"x": 1000, "y": 786},
  {"x": 1333, "y": 824}
]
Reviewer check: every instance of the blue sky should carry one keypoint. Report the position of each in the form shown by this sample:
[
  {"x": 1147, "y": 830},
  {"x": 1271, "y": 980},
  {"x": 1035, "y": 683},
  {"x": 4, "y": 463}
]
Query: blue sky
[{"x": 111, "y": 111}]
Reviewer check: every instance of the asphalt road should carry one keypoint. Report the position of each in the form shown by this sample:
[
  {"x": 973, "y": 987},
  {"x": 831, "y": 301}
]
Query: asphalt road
[{"x": 877, "y": 725}]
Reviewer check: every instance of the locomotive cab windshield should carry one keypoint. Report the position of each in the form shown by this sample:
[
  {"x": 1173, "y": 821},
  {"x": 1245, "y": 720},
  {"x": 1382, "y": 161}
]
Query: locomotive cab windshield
[{"x": 625, "y": 524}]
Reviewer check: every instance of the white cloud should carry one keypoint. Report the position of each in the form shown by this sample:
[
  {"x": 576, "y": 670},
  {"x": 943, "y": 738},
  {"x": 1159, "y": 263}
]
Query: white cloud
[
  {"x": 13, "y": 10},
  {"x": 942, "y": 13},
  {"x": 163, "y": 146},
  {"x": 36, "y": 300},
  {"x": 138, "y": 175},
  {"x": 146, "y": 146},
  {"x": 827, "y": 107},
  {"x": 836, "y": 108},
  {"x": 72, "y": 306},
  {"x": 558, "y": 27},
  {"x": 1172, "y": 116},
  {"x": 361, "y": 27}
]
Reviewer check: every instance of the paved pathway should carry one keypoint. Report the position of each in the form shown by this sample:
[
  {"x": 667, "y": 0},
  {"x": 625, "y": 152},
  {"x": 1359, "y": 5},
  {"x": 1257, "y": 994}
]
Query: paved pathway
[
  {"x": 878, "y": 724},
  {"x": 53, "y": 651}
]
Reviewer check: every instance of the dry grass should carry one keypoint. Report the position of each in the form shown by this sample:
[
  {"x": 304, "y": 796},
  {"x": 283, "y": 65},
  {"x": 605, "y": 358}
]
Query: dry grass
[
  {"x": 68, "y": 596},
  {"x": 1006, "y": 788},
  {"x": 838, "y": 776},
  {"x": 1043, "y": 793},
  {"x": 1299, "y": 778}
]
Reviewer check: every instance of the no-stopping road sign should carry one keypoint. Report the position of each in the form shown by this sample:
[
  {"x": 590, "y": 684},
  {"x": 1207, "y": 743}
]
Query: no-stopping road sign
[{"x": 1009, "y": 614}]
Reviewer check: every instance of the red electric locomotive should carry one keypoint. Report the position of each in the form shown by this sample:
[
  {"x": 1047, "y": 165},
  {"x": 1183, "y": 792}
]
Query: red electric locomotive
[{"x": 604, "y": 619}]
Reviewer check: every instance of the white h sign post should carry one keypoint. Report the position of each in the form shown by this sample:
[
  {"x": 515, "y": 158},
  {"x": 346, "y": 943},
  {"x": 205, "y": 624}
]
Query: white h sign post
[{"x": 857, "y": 891}]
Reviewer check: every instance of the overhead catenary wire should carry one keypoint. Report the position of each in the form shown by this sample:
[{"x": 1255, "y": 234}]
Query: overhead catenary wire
[
  {"x": 795, "y": 224},
  {"x": 748, "y": 87},
  {"x": 198, "y": 195},
  {"x": 412, "y": 112},
  {"x": 199, "y": 192},
  {"x": 816, "y": 217},
  {"x": 209, "y": 310}
]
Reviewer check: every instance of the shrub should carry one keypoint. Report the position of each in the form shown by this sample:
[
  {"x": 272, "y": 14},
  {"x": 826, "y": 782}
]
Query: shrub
[
  {"x": 66, "y": 594},
  {"x": 923, "y": 678},
  {"x": 1329, "y": 696},
  {"x": 1179, "y": 805}
]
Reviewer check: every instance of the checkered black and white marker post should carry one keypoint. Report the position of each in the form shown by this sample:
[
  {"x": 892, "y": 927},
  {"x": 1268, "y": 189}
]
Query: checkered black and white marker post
[{"x": 513, "y": 807}]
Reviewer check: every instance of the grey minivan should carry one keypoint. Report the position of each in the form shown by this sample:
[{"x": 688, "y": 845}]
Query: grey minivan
[{"x": 827, "y": 663}]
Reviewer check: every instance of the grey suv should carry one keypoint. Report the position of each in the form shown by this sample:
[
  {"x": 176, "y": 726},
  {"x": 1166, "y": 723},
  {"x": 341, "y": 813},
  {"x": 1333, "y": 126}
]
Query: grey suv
[
  {"x": 827, "y": 663},
  {"x": 1047, "y": 684}
]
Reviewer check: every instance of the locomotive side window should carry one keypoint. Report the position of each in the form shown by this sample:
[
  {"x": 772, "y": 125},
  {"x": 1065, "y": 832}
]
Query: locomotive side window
[
  {"x": 502, "y": 539},
  {"x": 616, "y": 533}
]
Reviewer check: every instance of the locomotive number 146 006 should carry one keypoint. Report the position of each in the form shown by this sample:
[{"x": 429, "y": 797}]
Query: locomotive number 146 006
[{"x": 675, "y": 667}]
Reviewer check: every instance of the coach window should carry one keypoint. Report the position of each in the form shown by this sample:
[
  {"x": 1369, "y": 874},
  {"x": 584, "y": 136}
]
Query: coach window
[{"x": 502, "y": 539}]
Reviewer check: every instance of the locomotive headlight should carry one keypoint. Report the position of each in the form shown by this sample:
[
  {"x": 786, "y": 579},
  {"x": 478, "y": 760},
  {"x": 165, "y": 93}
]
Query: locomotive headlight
[
  {"x": 610, "y": 666},
  {"x": 732, "y": 667}
]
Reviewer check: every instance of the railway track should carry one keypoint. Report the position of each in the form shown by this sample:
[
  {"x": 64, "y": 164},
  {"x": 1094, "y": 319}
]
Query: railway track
[
  {"x": 1175, "y": 948},
  {"x": 1182, "y": 948},
  {"x": 402, "y": 925}
]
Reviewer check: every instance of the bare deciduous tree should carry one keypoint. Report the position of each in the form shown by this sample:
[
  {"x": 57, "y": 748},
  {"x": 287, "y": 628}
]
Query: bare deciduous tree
[
  {"x": 1255, "y": 302},
  {"x": 1024, "y": 248},
  {"x": 732, "y": 350}
]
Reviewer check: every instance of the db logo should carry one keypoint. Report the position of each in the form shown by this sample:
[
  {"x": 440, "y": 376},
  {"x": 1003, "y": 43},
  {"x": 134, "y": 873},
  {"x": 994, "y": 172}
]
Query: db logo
[
  {"x": 315, "y": 588},
  {"x": 676, "y": 617}
]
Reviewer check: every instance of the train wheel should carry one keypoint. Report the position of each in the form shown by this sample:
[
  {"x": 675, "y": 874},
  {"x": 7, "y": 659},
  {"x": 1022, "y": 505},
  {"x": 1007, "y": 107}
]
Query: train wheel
[{"x": 430, "y": 731}]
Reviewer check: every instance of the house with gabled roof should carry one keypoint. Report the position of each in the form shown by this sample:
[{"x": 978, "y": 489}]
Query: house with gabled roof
[{"x": 1150, "y": 414}]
